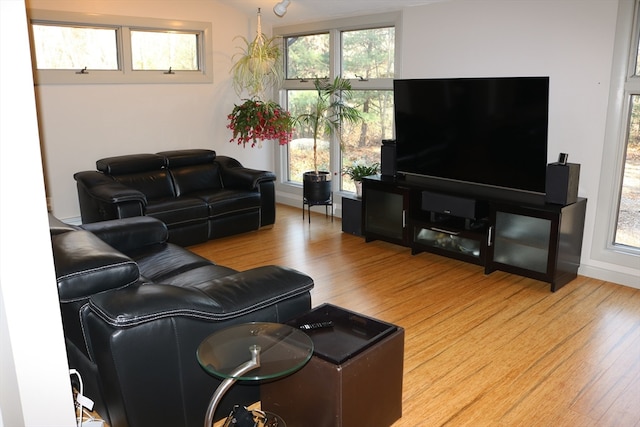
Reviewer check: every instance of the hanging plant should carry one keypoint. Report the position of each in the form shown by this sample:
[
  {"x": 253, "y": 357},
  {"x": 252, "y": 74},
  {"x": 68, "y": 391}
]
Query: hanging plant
[
  {"x": 259, "y": 65},
  {"x": 256, "y": 120}
]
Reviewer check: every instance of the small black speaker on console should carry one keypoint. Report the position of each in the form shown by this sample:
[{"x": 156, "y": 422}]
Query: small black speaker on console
[
  {"x": 462, "y": 207},
  {"x": 388, "y": 157},
  {"x": 562, "y": 183}
]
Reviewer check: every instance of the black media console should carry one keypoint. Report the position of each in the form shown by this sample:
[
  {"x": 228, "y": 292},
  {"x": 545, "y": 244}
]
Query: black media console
[{"x": 542, "y": 241}]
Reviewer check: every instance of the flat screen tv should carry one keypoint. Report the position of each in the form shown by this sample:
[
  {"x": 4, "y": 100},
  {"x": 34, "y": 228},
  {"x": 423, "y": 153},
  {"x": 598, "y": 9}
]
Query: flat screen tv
[{"x": 483, "y": 132}]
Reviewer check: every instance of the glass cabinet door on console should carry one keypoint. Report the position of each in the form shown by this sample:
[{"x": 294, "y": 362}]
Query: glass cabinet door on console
[
  {"x": 541, "y": 242},
  {"x": 385, "y": 210}
]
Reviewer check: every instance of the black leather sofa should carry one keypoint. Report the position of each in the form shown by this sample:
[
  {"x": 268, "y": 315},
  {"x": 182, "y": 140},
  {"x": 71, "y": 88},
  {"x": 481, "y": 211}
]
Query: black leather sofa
[
  {"x": 198, "y": 195},
  {"x": 135, "y": 308}
]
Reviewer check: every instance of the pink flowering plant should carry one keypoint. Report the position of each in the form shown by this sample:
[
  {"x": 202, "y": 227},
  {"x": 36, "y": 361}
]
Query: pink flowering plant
[{"x": 256, "y": 120}]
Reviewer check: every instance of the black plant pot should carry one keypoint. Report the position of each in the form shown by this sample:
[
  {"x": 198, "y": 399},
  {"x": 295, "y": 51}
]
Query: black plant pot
[{"x": 316, "y": 187}]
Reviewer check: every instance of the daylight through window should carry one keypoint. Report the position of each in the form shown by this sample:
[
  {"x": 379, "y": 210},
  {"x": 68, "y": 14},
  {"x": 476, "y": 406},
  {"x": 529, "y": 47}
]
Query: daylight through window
[
  {"x": 76, "y": 48},
  {"x": 365, "y": 56}
]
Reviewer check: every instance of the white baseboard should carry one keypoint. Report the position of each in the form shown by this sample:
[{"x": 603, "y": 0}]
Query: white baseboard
[{"x": 612, "y": 276}]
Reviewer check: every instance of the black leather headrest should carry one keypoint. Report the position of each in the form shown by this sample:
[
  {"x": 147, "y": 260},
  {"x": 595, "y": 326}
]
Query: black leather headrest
[
  {"x": 133, "y": 163},
  {"x": 181, "y": 158}
]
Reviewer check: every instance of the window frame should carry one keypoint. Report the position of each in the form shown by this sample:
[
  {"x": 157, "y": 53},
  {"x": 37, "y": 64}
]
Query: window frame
[
  {"x": 624, "y": 83},
  {"x": 125, "y": 73},
  {"x": 334, "y": 28}
]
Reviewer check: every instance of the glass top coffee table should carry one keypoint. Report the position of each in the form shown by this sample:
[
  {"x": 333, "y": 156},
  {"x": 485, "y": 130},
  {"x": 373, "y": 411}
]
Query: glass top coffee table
[{"x": 252, "y": 351}]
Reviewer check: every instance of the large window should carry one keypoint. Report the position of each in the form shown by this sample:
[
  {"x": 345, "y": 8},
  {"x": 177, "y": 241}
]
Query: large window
[
  {"x": 626, "y": 235},
  {"x": 362, "y": 52},
  {"x": 617, "y": 237},
  {"x": 73, "y": 48},
  {"x": 628, "y": 223}
]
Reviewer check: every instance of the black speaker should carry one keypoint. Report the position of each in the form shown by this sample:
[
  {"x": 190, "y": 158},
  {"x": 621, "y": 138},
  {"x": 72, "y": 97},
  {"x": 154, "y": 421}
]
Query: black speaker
[
  {"x": 451, "y": 205},
  {"x": 352, "y": 216},
  {"x": 388, "y": 157},
  {"x": 562, "y": 183}
]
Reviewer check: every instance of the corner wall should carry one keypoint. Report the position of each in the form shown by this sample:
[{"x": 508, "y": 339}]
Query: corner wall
[{"x": 571, "y": 42}]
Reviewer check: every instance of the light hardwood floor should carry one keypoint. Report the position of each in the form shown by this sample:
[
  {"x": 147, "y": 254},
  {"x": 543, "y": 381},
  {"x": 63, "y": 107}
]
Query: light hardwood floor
[{"x": 496, "y": 350}]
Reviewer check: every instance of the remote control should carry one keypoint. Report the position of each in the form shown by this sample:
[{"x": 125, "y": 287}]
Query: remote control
[{"x": 316, "y": 325}]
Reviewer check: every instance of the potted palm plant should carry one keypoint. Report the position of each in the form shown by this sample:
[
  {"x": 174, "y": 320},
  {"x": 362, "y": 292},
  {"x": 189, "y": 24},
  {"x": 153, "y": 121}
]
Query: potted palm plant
[
  {"x": 358, "y": 171},
  {"x": 325, "y": 117}
]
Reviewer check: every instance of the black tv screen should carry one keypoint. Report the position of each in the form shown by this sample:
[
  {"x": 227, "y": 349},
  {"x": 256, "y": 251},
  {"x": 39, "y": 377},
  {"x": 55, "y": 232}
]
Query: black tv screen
[{"x": 488, "y": 131}]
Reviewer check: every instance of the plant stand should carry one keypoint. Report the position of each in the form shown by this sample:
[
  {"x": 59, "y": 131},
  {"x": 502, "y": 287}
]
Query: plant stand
[
  {"x": 325, "y": 203},
  {"x": 316, "y": 189}
]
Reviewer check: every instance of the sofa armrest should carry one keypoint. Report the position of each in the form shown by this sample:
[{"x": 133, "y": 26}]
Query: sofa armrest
[
  {"x": 128, "y": 234},
  {"x": 102, "y": 198},
  {"x": 106, "y": 189},
  {"x": 215, "y": 300},
  {"x": 86, "y": 265},
  {"x": 234, "y": 175}
]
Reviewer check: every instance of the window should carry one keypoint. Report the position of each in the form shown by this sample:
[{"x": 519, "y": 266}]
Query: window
[
  {"x": 84, "y": 48},
  {"x": 63, "y": 47},
  {"x": 363, "y": 52},
  {"x": 161, "y": 50},
  {"x": 617, "y": 239},
  {"x": 628, "y": 222},
  {"x": 627, "y": 229},
  {"x": 307, "y": 56}
]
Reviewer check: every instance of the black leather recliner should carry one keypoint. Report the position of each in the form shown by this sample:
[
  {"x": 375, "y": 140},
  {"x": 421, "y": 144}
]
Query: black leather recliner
[
  {"x": 198, "y": 195},
  {"x": 135, "y": 308}
]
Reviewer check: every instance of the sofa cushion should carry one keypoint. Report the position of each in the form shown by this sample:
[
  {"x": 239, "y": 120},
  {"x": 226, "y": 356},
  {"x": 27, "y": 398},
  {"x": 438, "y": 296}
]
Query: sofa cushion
[
  {"x": 85, "y": 265},
  {"x": 196, "y": 178},
  {"x": 178, "y": 210},
  {"x": 197, "y": 275},
  {"x": 225, "y": 201},
  {"x": 163, "y": 262},
  {"x": 154, "y": 185}
]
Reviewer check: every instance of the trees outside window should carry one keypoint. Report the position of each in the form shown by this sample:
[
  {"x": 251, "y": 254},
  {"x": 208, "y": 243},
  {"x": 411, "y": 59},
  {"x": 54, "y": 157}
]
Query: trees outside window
[
  {"x": 627, "y": 228},
  {"x": 364, "y": 55},
  {"x": 78, "y": 48}
]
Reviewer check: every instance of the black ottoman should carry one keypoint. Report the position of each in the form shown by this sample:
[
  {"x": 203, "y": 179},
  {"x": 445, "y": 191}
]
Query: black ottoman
[{"x": 354, "y": 378}]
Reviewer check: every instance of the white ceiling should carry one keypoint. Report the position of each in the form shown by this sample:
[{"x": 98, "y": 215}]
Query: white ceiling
[{"x": 318, "y": 10}]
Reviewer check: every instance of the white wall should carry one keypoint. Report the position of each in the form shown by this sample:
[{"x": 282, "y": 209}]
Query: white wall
[
  {"x": 83, "y": 123},
  {"x": 569, "y": 41},
  {"x": 35, "y": 389}
]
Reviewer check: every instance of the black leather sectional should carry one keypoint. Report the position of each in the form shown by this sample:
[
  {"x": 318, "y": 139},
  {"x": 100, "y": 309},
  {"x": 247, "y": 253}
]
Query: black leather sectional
[
  {"x": 197, "y": 194},
  {"x": 135, "y": 308}
]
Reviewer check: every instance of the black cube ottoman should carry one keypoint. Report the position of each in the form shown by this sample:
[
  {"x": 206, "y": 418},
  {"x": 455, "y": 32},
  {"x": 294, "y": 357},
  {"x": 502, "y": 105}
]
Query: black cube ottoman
[{"x": 354, "y": 378}]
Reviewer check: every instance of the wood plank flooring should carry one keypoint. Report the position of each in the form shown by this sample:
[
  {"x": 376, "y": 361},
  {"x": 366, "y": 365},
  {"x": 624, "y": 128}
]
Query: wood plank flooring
[{"x": 495, "y": 350}]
